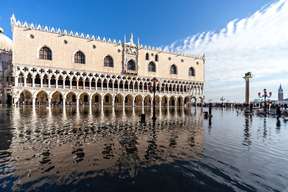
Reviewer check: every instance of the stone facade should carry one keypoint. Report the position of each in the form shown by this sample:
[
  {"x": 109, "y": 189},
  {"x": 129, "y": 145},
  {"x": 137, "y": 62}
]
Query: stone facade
[{"x": 55, "y": 67}]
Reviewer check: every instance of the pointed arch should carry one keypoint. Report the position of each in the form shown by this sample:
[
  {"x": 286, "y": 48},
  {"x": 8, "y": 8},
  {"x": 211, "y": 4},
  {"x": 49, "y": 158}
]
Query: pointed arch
[
  {"x": 152, "y": 67},
  {"x": 79, "y": 57},
  {"x": 45, "y": 53},
  {"x": 173, "y": 70},
  {"x": 108, "y": 61}
]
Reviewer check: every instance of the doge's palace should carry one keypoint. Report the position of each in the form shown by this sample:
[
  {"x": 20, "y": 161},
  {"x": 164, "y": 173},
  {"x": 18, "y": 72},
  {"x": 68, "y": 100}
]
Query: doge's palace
[{"x": 51, "y": 66}]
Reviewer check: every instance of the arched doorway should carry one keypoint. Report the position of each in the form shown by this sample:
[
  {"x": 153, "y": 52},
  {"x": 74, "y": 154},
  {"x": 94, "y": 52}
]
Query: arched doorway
[
  {"x": 180, "y": 101},
  {"x": 118, "y": 100},
  {"x": 187, "y": 100},
  {"x": 107, "y": 100},
  {"x": 71, "y": 98},
  {"x": 25, "y": 98},
  {"x": 42, "y": 98},
  {"x": 148, "y": 101},
  {"x": 57, "y": 98},
  {"x": 96, "y": 99},
  {"x": 157, "y": 100},
  {"x": 138, "y": 101},
  {"x": 172, "y": 101},
  {"x": 164, "y": 101},
  {"x": 129, "y": 101},
  {"x": 84, "y": 99}
]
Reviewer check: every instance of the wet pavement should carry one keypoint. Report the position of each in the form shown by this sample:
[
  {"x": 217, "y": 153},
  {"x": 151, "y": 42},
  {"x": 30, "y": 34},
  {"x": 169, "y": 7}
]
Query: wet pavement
[{"x": 83, "y": 150}]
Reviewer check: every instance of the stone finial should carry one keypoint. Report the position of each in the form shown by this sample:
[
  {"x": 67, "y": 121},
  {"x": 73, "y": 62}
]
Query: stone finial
[{"x": 131, "y": 39}]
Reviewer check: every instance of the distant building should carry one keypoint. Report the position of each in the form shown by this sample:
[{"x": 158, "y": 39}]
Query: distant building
[{"x": 280, "y": 94}]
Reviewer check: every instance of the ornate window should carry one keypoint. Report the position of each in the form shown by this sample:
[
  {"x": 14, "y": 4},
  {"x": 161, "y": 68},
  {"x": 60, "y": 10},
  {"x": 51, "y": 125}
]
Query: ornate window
[
  {"x": 147, "y": 56},
  {"x": 191, "y": 71},
  {"x": 108, "y": 61},
  {"x": 45, "y": 53},
  {"x": 152, "y": 67},
  {"x": 156, "y": 58},
  {"x": 173, "y": 69},
  {"x": 131, "y": 65},
  {"x": 79, "y": 57}
]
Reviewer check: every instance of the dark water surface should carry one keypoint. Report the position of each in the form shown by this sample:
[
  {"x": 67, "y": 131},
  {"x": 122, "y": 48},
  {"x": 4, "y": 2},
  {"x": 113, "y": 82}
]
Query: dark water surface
[{"x": 48, "y": 150}]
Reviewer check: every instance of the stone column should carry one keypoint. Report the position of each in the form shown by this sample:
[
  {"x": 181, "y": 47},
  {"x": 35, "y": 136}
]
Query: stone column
[
  {"x": 77, "y": 84},
  {"x": 113, "y": 101},
  {"x": 33, "y": 81},
  {"x": 41, "y": 81},
  {"x": 90, "y": 83},
  {"x": 56, "y": 80},
  {"x": 142, "y": 106},
  {"x": 71, "y": 83},
  {"x": 77, "y": 102},
  {"x": 49, "y": 83},
  {"x": 247, "y": 78},
  {"x": 25, "y": 81},
  {"x": 33, "y": 102},
  {"x": 49, "y": 101},
  {"x": 101, "y": 103},
  {"x": 64, "y": 103}
]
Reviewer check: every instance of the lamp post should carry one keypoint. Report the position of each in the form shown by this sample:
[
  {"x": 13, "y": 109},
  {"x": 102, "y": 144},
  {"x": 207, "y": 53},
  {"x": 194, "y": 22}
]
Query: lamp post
[
  {"x": 153, "y": 89},
  {"x": 265, "y": 95}
]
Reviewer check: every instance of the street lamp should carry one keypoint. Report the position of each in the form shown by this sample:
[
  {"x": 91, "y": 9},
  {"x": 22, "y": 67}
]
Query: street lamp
[
  {"x": 265, "y": 95},
  {"x": 153, "y": 90}
]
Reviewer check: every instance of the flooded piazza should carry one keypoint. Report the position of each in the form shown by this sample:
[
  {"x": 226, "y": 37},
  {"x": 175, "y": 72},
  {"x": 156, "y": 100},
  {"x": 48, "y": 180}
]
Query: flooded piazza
[{"x": 84, "y": 150}]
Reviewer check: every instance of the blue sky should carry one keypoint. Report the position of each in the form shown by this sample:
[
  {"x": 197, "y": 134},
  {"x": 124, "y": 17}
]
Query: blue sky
[
  {"x": 236, "y": 36},
  {"x": 157, "y": 23}
]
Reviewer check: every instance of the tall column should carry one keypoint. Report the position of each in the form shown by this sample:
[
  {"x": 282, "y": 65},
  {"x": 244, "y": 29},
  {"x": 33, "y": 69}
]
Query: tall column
[
  {"x": 113, "y": 101},
  {"x": 142, "y": 106},
  {"x": 33, "y": 81},
  {"x": 71, "y": 83},
  {"x": 90, "y": 83},
  {"x": 77, "y": 102},
  {"x": 49, "y": 83},
  {"x": 64, "y": 103},
  {"x": 247, "y": 78},
  {"x": 101, "y": 103},
  {"x": 25, "y": 81},
  {"x": 33, "y": 102},
  {"x": 56, "y": 80},
  {"x": 77, "y": 84},
  {"x": 41, "y": 81},
  {"x": 49, "y": 101},
  {"x": 90, "y": 104}
]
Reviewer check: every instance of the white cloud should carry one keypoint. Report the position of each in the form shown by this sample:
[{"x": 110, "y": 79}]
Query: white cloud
[{"x": 258, "y": 43}]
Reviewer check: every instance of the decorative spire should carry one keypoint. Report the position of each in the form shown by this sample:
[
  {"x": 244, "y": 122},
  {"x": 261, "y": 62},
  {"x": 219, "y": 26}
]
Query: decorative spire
[
  {"x": 280, "y": 88},
  {"x": 13, "y": 19},
  {"x": 131, "y": 39}
]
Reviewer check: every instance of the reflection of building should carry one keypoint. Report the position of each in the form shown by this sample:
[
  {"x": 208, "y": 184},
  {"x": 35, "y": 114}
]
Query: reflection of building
[
  {"x": 42, "y": 148},
  {"x": 53, "y": 66}
]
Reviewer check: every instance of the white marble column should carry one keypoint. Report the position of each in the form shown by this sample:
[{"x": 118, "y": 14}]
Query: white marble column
[
  {"x": 33, "y": 81},
  {"x": 49, "y": 83}
]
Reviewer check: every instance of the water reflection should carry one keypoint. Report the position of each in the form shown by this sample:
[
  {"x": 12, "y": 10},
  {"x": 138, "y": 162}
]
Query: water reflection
[
  {"x": 50, "y": 142},
  {"x": 77, "y": 149}
]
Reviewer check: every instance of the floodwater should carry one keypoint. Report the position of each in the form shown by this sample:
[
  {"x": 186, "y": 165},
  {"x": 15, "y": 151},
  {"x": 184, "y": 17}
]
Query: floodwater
[{"x": 52, "y": 150}]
